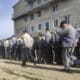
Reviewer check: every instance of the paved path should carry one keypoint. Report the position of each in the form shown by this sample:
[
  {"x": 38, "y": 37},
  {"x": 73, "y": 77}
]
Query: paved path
[{"x": 12, "y": 70}]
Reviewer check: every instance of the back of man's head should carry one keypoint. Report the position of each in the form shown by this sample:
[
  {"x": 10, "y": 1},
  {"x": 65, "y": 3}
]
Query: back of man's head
[
  {"x": 25, "y": 31},
  {"x": 62, "y": 24},
  {"x": 47, "y": 29}
]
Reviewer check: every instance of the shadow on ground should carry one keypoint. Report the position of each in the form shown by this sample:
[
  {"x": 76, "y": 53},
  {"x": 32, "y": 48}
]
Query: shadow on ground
[
  {"x": 11, "y": 72},
  {"x": 43, "y": 67}
]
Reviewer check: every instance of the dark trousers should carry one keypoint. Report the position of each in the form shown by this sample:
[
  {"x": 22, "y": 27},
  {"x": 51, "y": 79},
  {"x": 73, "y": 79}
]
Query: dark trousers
[
  {"x": 48, "y": 54},
  {"x": 77, "y": 52},
  {"x": 58, "y": 55},
  {"x": 41, "y": 55},
  {"x": 26, "y": 55},
  {"x": 2, "y": 51},
  {"x": 13, "y": 50},
  {"x": 18, "y": 53}
]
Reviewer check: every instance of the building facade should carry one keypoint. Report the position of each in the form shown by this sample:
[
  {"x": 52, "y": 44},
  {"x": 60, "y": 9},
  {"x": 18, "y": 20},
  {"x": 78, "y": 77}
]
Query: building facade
[{"x": 37, "y": 15}]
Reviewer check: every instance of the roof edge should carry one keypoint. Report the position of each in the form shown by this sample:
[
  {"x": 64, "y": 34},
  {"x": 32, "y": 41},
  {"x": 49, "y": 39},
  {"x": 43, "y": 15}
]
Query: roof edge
[{"x": 16, "y": 4}]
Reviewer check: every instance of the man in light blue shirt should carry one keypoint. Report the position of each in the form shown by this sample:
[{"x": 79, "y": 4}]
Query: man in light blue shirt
[
  {"x": 68, "y": 43},
  {"x": 47, "y": 36}
]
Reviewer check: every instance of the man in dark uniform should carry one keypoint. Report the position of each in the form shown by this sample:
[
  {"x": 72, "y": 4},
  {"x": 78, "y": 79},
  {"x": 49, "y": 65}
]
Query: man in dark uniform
[
  {"x": 58, "y": 48},
  {"x": 2, "y": 49},
  {"x": 18, "y": 50},
  {"x": 48, "y": 55},
  {"x": 77, "y": 49}
]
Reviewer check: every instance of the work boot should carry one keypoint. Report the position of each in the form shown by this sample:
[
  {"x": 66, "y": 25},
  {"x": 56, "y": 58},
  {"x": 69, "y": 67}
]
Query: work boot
[{"x": 23, "y": 63}]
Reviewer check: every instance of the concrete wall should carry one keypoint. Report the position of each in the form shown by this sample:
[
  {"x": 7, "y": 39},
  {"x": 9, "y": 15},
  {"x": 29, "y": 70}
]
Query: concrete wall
[
  {"x": 19, "y": 7},
  {"x": 70, "y": 7}
]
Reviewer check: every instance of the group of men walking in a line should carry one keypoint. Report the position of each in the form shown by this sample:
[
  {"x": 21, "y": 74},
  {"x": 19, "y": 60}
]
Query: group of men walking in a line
[{"x": 60, "y": 48}]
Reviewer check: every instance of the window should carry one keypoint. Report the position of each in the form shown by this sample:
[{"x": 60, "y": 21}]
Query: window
[
  {"x": 56, "y": 23},
  {"x": 47, "y": 25},
  {"x": 55, "y": 8},
  {"x": 67, "y": 19},
  {"x": 32, "y": 16},
  {"x": 39, "y": 1},
  {"x": 31, "y": 5},
  {"x": 39, "y": 13},
  {"x": 39, "y": 26},
  {"x": 32, "y": 28}
]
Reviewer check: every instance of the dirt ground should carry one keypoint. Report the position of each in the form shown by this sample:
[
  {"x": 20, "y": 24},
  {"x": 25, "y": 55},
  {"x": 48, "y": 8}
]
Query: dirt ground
[{"x": 12, "y": 70}]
